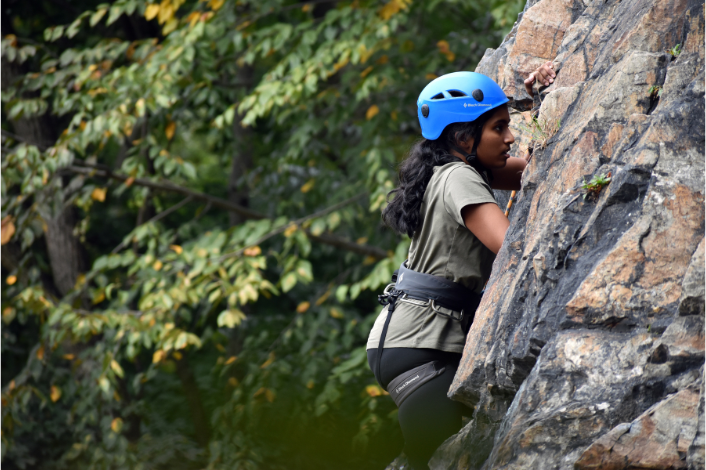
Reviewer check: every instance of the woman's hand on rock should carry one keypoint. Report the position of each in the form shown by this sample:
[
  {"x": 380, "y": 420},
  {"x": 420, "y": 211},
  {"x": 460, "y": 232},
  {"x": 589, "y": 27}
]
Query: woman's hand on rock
[{"x": 545, "y": 74}]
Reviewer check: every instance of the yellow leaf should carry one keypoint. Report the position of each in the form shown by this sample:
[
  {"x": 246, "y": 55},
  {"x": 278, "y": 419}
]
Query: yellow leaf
[
  {"x": 375, "y": 390},
  {"x": 166, "y": 11},
  {"x": 116, "y": 368},
  {"x": 116, "y": 395},
  {"x": 393, "y": 7},
  {"x": 362, "y": 240},
  {"x": 303, "y": 307},
  {"x": 177, "y": 355},
  {"x": 382, "y": 60},
  {"x": 340, "y": 64},
  {"x": 231, "y": 360},
  {"x": 98, "y": 194},
  {"x": 193, "y": 18},
  {"x": 431, "y": 76},
  {"x": 323, "y": 298},
  {"x": 176, "y": 248},
  {"x": 393, "y": 115},
  {"x": 307, "y": 186},
  {"x": 215, "y": 4},
  {"x": 69, "y": 357},
  {"x": 290, "y": 230},
  {"x": 8, "y": 314},
  {"x": 252, "y": 251},
  {"x": 220, "y": 347},
  {"x": 11, "y": 280},
  {"x": 269, "y": 394},
  {"x": 151, "y": 11},
  {"x": 55, "y": 393},
  {"x": 157, "y": 265},
  {"x": 372, "y": 112},
  {"x": 80, "y": 280},
  {"x": 336, "y": 313},
  {"x": 365, "y": 72},
  {"x": 8, "y": 228},
  {"x": 368, "y": 260},
  {"x": 40, "y": 353},
  {"x": 116, "y": 425},
  {"x": 233, "y": 382},
  {"x": 310, "y": 384},
  {"x": 305, "y": 8},
  {"x": 170, "y": 26},
  {"x": 169, "y": 130},
  {"x": 99, "y": 297},
  {"x": 158, "y": 356},
  {"x": 443, "y": 46},
  {"x": 269, "y": 361}
]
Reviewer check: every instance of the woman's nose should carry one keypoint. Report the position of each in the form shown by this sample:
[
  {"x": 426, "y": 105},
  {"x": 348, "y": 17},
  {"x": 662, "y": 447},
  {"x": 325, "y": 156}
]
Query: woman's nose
[{"x": 509, "y": 138}]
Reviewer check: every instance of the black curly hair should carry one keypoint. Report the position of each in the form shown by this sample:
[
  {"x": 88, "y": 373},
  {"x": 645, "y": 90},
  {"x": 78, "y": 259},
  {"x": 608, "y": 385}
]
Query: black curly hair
[{"x": 403, "y": 213}]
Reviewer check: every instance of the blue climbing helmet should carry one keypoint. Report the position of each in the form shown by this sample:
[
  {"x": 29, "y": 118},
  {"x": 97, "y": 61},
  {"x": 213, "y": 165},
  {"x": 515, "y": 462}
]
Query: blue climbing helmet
[{"x": 456, "y": 97}]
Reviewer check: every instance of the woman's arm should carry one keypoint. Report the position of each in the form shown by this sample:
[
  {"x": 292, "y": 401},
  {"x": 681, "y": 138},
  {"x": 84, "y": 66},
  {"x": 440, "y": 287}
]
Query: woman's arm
[
  {"x": 510, "y": 176},
  {"x": 488, "y": 223}
]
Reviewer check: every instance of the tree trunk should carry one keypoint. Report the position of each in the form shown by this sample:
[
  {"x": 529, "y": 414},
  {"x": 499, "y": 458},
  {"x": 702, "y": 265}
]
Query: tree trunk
[
  {"x": 193, "y": 399},
  {"x": 242, "y": 156},
  {"x": 66, "y": 255}
]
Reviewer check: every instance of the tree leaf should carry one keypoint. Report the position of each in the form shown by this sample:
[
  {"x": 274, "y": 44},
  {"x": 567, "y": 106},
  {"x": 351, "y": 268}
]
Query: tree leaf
[
  {"x": 151, "y": 11},
  {"x": 96, "y": 17},
  {"x": 8, "y": 228},
  {"x": 55, "y": 393}
]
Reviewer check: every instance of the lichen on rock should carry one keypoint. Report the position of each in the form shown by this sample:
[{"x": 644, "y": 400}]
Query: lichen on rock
[{"x": 587, "y": 350}]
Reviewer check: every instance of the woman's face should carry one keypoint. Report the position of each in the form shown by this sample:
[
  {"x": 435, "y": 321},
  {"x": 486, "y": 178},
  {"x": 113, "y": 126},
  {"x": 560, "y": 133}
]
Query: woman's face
[{"x": 496, "y": 140}]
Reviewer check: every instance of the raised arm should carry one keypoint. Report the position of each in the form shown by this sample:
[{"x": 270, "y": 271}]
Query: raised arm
[{"x": 510, "y": 176}]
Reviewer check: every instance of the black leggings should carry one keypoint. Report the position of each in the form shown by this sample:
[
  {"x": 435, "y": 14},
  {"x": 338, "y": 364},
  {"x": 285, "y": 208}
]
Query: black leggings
[{"x": 427, "y": 417}]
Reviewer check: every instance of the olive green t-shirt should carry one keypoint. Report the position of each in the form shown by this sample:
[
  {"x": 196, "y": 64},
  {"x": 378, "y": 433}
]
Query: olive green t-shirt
[{"x": 442, "y": 246}]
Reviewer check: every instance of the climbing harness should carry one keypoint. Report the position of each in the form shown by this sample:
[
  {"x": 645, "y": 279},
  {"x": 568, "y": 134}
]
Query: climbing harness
[{"x": 412, "y": 286}]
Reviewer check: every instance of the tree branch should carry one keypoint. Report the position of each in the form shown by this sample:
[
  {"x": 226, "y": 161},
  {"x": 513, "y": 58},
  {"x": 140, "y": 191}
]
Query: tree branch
[
  {"x": 326, "y": 239},
  {"x": 95, "y": 170},
  {"x": 157, "y": 217}
]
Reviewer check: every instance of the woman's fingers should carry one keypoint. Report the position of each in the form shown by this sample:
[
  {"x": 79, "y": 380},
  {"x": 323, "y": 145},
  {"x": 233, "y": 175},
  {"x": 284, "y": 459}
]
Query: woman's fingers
[
  {"x": 529, "y": 82},
  {"x": 546, "y": 74}
]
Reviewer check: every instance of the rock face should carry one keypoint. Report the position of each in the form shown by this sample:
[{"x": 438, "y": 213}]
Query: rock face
[{"x": 587, "y": 351}]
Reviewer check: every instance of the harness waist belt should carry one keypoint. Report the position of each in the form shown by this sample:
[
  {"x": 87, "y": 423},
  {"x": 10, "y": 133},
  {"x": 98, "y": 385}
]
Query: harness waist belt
[
  {"x": 446, "y": 293},
  {"x": 404, "y": 384}
]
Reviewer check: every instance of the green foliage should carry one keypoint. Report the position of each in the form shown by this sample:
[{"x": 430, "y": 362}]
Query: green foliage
[
  {"x": 195, "y": 338},
  {"x": 675, "y": 51},
  {"x": 655, "y": 91},
  {"x": 594, "y": 186},
  {"x": 540, "y": 130}
]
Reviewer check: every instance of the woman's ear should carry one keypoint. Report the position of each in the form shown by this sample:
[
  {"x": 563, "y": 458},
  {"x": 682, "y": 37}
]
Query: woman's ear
[{"x": 466, "y": 145}]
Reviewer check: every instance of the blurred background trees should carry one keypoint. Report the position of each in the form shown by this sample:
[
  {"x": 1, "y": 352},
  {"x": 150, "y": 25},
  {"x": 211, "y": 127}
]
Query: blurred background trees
[{"x": 191, "y": 238}]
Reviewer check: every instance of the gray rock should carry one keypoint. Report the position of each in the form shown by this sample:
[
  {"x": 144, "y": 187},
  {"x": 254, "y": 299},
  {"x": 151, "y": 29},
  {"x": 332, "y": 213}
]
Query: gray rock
[{"x": 590, "y": 333}]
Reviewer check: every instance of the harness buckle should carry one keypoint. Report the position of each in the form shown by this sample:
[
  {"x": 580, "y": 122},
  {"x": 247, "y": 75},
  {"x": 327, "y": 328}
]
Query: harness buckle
[{"x": 439, "y": 312}]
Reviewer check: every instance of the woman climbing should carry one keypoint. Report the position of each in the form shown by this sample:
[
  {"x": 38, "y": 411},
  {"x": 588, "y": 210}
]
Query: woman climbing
[{"x": 445, "y": 204}]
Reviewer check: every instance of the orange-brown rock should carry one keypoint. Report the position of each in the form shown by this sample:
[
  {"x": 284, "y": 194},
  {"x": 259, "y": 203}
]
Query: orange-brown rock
[
  {"x": 659, "y": 438},
  {"x": 592, "y": 322}
]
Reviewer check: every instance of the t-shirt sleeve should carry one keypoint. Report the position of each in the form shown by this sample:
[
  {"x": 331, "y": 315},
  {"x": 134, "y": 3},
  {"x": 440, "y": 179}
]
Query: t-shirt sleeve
[{"x": 463, "y": 187}]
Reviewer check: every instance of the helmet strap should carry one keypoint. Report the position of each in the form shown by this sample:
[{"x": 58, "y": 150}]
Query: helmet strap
[{"x": 472, "y": 159}]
